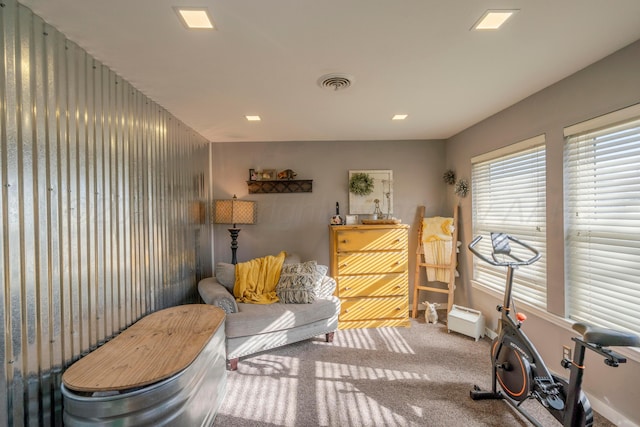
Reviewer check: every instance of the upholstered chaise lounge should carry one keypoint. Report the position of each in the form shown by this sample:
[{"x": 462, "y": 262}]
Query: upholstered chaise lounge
[{"x": 252, "y": 328}]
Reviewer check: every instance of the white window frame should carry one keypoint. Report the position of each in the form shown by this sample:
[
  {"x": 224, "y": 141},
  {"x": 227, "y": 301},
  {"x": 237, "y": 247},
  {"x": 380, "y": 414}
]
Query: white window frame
[
  {"x": 602, "y": 223},
  {"x": 509, "y": 195}
]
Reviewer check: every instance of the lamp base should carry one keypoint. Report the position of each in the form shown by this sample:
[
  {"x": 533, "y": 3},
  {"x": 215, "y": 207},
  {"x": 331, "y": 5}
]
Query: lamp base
[{"x": 234, "y": 243}]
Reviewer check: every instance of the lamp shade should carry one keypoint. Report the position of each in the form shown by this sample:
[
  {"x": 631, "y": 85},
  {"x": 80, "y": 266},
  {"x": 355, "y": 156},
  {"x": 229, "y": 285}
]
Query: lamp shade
[{"x": 234, "y": 211}]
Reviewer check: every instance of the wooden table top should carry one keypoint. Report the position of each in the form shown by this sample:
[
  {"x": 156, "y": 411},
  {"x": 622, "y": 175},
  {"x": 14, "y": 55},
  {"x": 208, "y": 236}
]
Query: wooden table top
[{"x": 154, "y": 348}]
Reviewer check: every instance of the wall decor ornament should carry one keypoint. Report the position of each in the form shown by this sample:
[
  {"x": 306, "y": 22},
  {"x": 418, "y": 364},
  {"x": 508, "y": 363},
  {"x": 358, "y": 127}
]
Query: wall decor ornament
[
  {"x": 269, "y": 174},
  {"x": 449, "y": 177},
  {"x": 287, "y": 174},
  {"x": 378, "y": 184},
  {"x": 462, "y": 188},
  {"x": 361, "y": 184}
]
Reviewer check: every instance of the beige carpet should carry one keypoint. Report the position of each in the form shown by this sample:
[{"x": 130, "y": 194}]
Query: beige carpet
[{"x": 417, "y": 376}]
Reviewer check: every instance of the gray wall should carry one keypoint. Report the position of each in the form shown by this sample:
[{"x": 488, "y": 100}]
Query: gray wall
[
  {"x": 99, "y": 211},
  {"x": 298, "y": 222},
  {"x": 605, "y": 86}
]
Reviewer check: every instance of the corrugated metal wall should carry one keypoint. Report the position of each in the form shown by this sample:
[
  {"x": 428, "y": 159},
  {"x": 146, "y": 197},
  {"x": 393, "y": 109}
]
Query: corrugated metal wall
[{"x": 102, "y": 196}]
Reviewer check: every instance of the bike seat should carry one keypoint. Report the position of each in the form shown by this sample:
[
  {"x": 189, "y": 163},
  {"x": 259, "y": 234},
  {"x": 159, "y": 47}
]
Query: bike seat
[{"x": 606, "y": 337}]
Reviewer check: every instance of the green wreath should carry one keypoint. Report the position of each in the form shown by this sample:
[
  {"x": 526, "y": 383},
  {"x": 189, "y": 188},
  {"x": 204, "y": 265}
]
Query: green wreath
[{"x": 361, "y": 184}]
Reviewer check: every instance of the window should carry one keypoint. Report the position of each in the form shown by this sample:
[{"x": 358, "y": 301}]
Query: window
[
  {"x": 509, "y": 196},
  {"x": 602, "y": 204}
]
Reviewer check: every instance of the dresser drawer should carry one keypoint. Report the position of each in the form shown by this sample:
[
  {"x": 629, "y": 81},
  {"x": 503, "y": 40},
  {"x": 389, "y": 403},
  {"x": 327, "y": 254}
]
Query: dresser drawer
[
  {"x": 373, "y": 285},
  {"x": 371, "y": 240},
  {"x": 373, "y": 308},
  {"x": 372, "y": 262}
]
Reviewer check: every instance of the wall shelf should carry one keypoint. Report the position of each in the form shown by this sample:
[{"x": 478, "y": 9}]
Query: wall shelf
[{"x": 281, "y": 186}]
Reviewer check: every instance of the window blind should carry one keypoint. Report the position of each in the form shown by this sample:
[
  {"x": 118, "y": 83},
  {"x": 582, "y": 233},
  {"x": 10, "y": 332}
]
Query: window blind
[
  {"x": 602, "y": 198},
  {"x": 509, "y": 196}
]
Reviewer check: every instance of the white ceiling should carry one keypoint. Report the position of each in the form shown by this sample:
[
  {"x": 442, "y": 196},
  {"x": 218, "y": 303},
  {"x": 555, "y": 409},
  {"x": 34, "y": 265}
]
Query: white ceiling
[{"x": 416, "y": 57}]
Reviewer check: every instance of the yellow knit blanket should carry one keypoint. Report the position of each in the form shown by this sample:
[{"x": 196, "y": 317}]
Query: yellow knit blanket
[
  {"x": 437, "y": 245},
  {"x": 256, "y": 280},
  {"x": 437, "y": 228}
]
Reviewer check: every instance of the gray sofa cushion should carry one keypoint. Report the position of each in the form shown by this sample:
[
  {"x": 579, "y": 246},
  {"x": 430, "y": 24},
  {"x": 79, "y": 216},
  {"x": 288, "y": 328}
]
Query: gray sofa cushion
[
  {"x": 226, "y": 275},
  {"x": 254, "y": 319},
  {"x": 326, "y": 286},
  {"x": 292, "y": 259}
]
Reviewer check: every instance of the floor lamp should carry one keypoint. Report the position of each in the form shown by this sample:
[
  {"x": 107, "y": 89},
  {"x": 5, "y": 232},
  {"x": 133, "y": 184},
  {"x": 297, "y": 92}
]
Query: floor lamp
[{"x": 234, "y": 212}]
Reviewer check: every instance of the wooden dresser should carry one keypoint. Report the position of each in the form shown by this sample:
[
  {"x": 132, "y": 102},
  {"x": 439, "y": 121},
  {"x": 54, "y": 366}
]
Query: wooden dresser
[{"x": 370, "y": 265}]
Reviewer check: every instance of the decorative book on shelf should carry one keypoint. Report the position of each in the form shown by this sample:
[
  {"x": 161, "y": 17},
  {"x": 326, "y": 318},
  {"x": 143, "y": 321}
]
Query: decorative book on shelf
[{"x": 281, "y": 186}]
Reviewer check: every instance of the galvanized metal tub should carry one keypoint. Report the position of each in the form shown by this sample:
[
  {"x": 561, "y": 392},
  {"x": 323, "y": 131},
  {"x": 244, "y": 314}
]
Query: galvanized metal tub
[{"x": 189, "y": 398}]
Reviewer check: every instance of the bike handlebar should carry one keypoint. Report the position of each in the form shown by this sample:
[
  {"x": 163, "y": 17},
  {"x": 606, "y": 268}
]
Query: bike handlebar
[{"x": 503, "y": 248}]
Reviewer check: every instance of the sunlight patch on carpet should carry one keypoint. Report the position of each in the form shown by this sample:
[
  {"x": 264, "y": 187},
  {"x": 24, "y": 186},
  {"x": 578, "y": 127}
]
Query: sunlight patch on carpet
[
  {"x": 329, "y": 370},
  {"x": 273, "y": 380},
  {"x": 355, "y": 338},
  {"x": 341, "y": 404},
  {"x": 394, "y": 341},
  {"x": 417, "y": 410},
  {"x": 349, "y": 395}
]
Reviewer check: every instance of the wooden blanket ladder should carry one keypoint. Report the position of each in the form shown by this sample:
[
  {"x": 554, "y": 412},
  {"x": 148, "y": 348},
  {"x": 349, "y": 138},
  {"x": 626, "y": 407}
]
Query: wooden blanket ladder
[{"x": 420, "y": 262}]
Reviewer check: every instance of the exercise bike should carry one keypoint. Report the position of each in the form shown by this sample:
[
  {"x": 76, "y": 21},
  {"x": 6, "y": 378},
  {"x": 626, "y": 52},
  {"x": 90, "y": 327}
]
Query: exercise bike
[{"x": 517, "y": 365}]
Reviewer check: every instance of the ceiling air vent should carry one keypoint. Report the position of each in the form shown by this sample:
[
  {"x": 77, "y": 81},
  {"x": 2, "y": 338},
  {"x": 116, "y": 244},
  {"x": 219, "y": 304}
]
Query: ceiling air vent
[{"x": 335, "y": 81}]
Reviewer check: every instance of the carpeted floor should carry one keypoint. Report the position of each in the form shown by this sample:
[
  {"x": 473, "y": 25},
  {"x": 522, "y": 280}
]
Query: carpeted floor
[{"x": 417, "y": 376}]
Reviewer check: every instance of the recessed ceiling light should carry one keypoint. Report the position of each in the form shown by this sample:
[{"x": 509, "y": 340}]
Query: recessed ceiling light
[
  {"x": 195, "y": 18},
  {"x": 493, "y": 19},
  {"x": 399, "y": 117},
  {"x": 253, "y": 118}
]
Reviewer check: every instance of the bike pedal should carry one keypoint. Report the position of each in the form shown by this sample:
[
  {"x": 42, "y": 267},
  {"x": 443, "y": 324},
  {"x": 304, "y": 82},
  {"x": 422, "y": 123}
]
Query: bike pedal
[
  {"x": 549, "y": 401},
  {"x": 555, "y": 402},
  {"x": 548, "y": 385}
]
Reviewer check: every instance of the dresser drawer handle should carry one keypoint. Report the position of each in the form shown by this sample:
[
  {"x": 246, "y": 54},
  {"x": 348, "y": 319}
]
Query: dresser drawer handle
[
  {"x": 345, "y": 241},
  {"x": 398, "y": 308},
  {"x": 348, "y": 288},
  {"x": 344, "y": 265}
]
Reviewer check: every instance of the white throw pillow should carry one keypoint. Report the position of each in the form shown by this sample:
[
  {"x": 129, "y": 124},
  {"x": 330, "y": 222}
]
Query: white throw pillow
[{"x": 297, "y": 284}]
